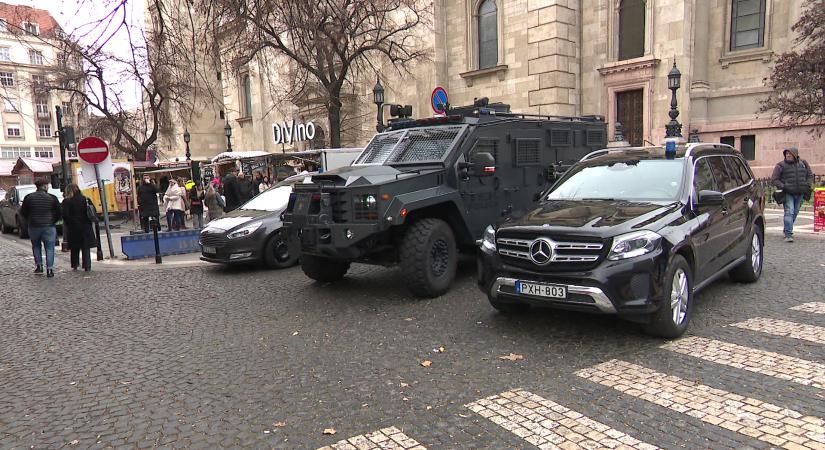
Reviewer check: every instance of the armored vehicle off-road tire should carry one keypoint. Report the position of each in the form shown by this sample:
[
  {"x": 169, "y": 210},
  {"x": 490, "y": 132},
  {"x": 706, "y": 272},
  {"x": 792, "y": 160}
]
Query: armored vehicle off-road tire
[
  {"x": 428, "y": 257},
  {"x": 323, "y": 269}
]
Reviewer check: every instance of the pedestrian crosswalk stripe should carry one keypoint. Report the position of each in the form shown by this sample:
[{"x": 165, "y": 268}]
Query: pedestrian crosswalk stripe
[
  {"x": 385, "y": 438},
  {"x": 772, "y": 364},
  {"x": 751, "y": 417},
  {"x": 548, "y": 425},
  {"x": 813, "y": 307},
  {"x": 784, "y": 328}
]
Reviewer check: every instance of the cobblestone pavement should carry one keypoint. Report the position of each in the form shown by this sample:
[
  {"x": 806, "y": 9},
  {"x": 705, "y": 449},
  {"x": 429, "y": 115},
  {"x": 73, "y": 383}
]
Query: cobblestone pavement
[{"x": 206, "y": 357}]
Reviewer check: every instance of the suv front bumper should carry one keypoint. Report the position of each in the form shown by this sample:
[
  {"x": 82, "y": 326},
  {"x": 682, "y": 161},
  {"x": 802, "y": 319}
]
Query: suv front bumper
[{"x": 630, "y": 287}]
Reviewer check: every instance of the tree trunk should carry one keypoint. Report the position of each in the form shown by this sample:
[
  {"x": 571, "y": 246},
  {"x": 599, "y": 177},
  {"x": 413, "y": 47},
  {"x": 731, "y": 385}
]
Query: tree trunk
[{"x": 334, "y": 116}]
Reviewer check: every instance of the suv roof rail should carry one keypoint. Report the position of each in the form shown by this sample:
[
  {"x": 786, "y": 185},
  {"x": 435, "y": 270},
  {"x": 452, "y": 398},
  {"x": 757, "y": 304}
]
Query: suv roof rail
[
  {"x": 594, "y": 154},
  {"x": 486, "y": 112}
]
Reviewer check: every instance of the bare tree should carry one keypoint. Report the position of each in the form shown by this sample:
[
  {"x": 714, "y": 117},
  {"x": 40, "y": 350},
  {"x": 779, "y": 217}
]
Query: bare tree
[
  {"x": 798, "y": 78},
  {"x": 107, "y": 80},
  {"x": 325, "y": 44}
]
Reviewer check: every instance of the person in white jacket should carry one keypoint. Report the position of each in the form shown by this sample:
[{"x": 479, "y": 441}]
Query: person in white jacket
[{"x": 173, "y": 200}]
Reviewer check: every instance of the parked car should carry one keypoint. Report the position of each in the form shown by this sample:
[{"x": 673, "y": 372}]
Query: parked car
[
  {"x": 252, "y": 233},
  {"x": 10, "y": 218},
  {"x": 633, "y": 232}
]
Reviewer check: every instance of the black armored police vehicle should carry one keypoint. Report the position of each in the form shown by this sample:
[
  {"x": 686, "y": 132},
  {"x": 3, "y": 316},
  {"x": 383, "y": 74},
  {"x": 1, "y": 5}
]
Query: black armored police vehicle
[{"x": 424, "y": 190}]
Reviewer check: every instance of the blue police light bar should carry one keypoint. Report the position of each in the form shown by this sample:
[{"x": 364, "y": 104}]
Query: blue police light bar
[{"x": 670, "y": 149}]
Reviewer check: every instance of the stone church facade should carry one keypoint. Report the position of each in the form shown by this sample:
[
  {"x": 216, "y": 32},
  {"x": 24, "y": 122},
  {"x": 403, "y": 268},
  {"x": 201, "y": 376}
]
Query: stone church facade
[
  {"x": 611, "y": 58},
  {"x": 570, "y": 57}
]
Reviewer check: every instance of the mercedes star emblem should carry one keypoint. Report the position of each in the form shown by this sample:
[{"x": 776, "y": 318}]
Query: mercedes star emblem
[{"x": 541, "y": 252}]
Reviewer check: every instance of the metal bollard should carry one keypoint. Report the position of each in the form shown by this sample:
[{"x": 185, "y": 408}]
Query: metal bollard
[
  {"x": 154, "y": 223},
  {"x": 99, "y": 247}
]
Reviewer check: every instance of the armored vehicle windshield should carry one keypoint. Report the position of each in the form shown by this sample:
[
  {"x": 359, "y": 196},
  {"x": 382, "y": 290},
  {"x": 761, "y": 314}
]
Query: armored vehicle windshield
[{"x": 411, "y": 146}]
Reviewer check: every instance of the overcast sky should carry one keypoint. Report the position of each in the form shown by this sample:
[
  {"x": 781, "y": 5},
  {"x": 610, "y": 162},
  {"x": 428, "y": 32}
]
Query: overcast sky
[{"x": 77, "y": 16}]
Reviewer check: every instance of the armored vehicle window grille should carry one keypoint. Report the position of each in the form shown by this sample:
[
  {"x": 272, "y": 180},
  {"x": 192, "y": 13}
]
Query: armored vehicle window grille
[
  {"x": 380, "y": 148},
  {"x": 428, "y": 144},
  {"x": 414, "y": 145},
  {"x": 486, "y": 146},
  {"x": 527, "y": 152},
  {"x": 595, "y": 138},
  {"x": 561, "y": 138}
]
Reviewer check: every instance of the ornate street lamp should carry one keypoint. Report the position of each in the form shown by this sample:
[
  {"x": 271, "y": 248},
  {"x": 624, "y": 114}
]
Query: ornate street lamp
[
  {"x": 187, "y": 138},
  {"x": 227, "y": 130},
  {"x": 673, "y": 129},
  {"x": 378, "y": 99}
]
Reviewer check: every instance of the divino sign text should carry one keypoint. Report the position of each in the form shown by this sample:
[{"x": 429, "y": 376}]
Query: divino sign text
[{"x": 289, "y": 132}]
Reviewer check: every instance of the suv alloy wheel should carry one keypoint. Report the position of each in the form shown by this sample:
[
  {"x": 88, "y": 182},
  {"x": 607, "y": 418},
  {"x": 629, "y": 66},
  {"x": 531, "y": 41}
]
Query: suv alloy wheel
[
  {"x": 673, "y": 315},
  {"x": 751, "y": 268}
]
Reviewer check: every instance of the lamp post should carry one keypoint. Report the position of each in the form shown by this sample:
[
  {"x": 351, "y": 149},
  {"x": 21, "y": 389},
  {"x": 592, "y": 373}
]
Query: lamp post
[
  {"x": 673, "y": 129},
  {"x": 378, "y": 99},
  {"x": 228, "y": 131},
  {"x": 186, "y": 139}
]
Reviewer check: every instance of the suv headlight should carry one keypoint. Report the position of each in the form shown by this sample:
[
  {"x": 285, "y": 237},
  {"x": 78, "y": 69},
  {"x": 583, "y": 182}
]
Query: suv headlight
[
  {"x": 488, "y": 242},
  {"x": 634, "y": 244},
  {"x": 245, "y": 231}
]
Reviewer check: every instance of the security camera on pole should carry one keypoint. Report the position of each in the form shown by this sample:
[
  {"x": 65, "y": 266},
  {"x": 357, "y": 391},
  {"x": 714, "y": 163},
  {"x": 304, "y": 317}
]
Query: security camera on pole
[{"x": 94, "y": 151}]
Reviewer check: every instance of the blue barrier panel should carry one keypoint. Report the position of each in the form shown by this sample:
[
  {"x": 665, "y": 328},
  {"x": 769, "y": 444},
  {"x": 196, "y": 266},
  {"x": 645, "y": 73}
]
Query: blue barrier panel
[{"x": 142, "y": 245}]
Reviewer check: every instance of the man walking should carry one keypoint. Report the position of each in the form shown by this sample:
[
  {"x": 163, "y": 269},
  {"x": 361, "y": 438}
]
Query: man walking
[
  {"x": 794, "y": 178},
  {"x": 245, "y": 188},
  {"x": 42, "y": 211},
  {"x": 147, "y": 202},
  {"x": 232, "y": 192}
]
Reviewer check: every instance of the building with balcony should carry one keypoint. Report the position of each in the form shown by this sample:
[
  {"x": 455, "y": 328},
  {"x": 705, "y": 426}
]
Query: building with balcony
[{"x": 27, "y": 55}]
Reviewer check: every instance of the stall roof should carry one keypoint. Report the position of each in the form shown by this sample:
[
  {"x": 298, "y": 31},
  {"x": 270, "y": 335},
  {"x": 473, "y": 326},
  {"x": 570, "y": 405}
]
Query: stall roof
[
  {"x": 6, "y": 165},
  {"x": 166, "y": 170},
  {"x": 34, "y": 164},
  {"x": 232, "y": 156}
]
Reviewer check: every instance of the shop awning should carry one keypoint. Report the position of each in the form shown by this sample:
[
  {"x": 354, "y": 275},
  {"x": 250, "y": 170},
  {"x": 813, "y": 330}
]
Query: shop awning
[{"x": 232, "y": 156}]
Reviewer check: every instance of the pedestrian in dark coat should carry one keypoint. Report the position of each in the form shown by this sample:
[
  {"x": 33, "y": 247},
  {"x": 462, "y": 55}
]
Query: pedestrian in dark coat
[
  {"x": 232, "y": 192},
  {"x": 42, "y": 211},
  {"x": 79, "y": 234},
  {"x": 793, "y": 177},
  {"x": 196, "y": 196},
  {"x": 147, "y": 202},
  {"x": 245, "y": 187}
]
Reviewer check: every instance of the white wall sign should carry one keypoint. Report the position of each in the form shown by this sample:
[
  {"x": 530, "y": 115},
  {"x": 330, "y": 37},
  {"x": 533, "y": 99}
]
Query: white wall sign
[{"x": 289, "y": 132}]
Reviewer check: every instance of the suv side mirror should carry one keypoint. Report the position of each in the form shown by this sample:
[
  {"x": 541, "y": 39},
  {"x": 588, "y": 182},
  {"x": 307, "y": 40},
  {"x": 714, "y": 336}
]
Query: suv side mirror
[{"x": 710, "y": 198}]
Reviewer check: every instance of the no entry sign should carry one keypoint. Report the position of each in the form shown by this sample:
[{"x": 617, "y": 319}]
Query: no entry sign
[{"x": 93, "y": 150}]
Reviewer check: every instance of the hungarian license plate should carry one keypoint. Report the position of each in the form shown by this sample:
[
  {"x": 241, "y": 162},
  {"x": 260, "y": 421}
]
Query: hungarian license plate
[
  {"x": 210, "y": 250},
  {"x": 541, "y": 290}
]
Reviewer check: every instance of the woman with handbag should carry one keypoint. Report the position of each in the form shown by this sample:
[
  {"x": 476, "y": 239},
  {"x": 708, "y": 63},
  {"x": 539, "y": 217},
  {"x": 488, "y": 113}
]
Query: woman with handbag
[
  {"x": 78, "y": 215},
  {"x": 212, "y": 200},
  {"x": 174, "y": 204}
]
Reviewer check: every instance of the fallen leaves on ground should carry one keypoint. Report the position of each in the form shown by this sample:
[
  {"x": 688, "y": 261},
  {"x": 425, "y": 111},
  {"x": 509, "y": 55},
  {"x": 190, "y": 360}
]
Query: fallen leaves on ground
[
  {"x": 403, "y": 384},
  {"x": 426, "y": 363},
  {"x": 329, "y": 431},
  {"x": 512, "y": 357},
  {"x": 439, "y": 349},
  {"x": 278, "y": 424}
]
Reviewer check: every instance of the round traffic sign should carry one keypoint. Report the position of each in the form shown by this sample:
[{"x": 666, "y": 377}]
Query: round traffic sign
[
  {"x": 93, "y": 150},
  {"x": 438, "y": 100}
]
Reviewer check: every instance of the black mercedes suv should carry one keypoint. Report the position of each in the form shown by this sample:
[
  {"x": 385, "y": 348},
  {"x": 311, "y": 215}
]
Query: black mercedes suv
[{"x": 630, "y": 231}]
